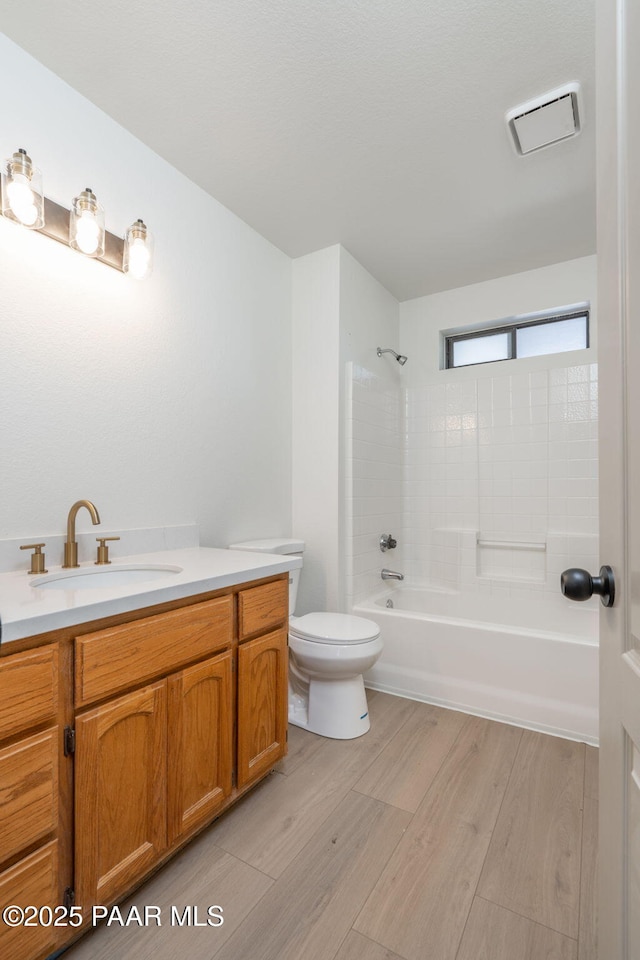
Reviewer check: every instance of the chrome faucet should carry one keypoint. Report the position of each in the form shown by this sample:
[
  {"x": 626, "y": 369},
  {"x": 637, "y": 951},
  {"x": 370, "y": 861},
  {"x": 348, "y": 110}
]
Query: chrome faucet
[
  {"x": 391, "y": 575},
  {"x": 71, "y": 547}
]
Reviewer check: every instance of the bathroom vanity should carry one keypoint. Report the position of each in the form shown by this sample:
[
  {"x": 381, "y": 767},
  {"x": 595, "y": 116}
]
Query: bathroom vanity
[{"x": 123, "y": 735}]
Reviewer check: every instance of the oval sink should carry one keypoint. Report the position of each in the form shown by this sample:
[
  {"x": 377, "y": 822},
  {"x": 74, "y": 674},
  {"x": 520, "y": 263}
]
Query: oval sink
[{"x": 96, "y": 578}]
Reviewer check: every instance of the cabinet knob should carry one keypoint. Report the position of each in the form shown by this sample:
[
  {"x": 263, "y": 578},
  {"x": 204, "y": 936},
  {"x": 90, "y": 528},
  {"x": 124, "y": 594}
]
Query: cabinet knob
[
  {"x": 37, "y": 557},
  {"x": 103, "y": 550}
]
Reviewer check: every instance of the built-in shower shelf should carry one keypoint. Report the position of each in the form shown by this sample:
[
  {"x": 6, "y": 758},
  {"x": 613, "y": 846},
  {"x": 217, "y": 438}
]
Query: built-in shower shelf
[
  {"x": 511, "y": 578},
  {"x": 512, "y": 544},
  {"x": 515, "y": 560}
]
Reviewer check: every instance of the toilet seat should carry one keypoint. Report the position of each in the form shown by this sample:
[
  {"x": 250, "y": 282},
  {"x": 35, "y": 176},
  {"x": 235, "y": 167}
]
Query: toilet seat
[{"x": 338, "y": 628}]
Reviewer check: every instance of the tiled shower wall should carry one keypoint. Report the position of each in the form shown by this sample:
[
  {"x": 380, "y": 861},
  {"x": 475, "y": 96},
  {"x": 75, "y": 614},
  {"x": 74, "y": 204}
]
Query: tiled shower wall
[
  {"x": 373, "y": 468},
  {"x": 501, "y": 479},
  {"x": 492, "y": 481}
]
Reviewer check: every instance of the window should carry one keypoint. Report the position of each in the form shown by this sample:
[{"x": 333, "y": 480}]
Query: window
[{"x": 522, "y": 338}]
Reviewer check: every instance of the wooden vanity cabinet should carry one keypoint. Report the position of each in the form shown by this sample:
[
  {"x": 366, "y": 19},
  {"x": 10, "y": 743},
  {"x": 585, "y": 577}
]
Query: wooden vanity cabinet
[
  {"x": 120, "y": 740},
  {"x": 151, "y": 767},
  {"x": 156, "y": 762},
  {"x": 30, "y": 744}
]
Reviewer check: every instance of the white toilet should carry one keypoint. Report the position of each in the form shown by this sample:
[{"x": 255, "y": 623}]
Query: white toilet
[{"x": 328, "y": 653}]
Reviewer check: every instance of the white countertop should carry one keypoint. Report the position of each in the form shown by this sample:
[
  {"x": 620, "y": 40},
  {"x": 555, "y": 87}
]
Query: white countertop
[{"x": 27, "y": 610}]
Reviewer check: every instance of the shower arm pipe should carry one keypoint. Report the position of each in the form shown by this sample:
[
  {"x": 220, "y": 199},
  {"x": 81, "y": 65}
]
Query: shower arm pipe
[{"x": 398, "y": 356}]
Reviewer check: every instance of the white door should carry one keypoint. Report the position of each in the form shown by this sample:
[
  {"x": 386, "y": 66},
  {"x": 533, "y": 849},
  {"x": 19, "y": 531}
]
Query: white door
[{"x": 618, "y": 121}]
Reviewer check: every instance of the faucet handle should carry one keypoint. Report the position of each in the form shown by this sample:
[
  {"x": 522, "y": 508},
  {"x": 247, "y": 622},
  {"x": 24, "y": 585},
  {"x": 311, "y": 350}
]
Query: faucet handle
[
  {"x": 103, "y": 549},
  {"x": 37, "y": 558}
]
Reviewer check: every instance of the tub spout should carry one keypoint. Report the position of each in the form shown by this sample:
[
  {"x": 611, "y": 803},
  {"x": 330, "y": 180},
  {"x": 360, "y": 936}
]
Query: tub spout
[{"x": 391, "y": 575}]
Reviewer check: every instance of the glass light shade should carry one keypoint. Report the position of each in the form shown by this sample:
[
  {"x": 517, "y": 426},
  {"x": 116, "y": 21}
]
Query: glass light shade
[
  {"x": 22, "y": 197},
  {"x": 137, "y": 258},
  {"x": 86, "y": 224}
]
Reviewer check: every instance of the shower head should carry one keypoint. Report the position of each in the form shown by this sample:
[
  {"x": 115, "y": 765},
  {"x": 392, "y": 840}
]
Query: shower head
[{"x": 401, "y": 360}]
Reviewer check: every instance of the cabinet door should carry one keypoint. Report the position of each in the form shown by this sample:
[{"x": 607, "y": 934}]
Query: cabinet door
[
  {"x": 200, "y": 743},
  {"x": 262, "y": 704},
  {"x": 120, "y": 793}
]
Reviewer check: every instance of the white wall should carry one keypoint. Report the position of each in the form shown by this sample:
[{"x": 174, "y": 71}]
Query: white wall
[
  {"x": 371, "y": 417},
  {"x": 369, "y": 317},
  {"x": 501, "y": 451},
  {"x": 165, "y": 401},
  {"x": 373, "y": 477},
  {"x": 422, "y": 319},
  {"x": 316, "y": 391},
  {"x": 340, "y": 314}
]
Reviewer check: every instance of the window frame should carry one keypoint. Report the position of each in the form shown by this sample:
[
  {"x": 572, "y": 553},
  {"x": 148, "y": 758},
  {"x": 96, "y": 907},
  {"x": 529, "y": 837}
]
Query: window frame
[{"x": 511, "y": 330}]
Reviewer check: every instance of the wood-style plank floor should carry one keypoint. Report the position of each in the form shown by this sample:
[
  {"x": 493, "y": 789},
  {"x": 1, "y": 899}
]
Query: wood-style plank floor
[{"x": 436, "y": 836}]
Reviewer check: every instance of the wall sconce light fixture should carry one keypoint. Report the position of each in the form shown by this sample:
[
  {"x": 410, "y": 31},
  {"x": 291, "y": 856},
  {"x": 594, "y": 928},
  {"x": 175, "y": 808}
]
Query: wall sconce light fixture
[
  {"x": 86, "y": 224},
  {"x": 22, "y": 198},
  {"x": 137, "y": 259},
  {"x": 81, "y": 228}
]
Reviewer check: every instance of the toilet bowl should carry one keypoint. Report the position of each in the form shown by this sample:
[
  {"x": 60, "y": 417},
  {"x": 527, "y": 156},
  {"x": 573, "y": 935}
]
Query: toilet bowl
[{"x": 328, "y": 654}]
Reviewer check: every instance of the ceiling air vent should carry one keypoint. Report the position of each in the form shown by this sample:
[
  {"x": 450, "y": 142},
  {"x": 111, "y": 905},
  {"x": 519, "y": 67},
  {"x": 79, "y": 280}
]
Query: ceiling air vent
[{"x": 545, "y": 120}]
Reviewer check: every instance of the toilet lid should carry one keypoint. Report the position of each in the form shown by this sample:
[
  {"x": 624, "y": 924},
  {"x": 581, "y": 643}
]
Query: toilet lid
[{"x": 334, "y": 628}]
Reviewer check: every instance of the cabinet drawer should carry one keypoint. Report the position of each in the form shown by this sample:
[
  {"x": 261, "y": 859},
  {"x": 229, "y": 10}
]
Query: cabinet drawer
[
  {"x": 28, "y": 792},
  {"x": 262, "y": 608},
  {"x": 28, "y": 689},
  {"x": 31, "y": 882},
  {"x": 110, "y": 661}
]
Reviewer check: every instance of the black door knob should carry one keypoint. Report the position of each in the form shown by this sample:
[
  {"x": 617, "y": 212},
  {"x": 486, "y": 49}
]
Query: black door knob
[{"x": 577, "y": 584}]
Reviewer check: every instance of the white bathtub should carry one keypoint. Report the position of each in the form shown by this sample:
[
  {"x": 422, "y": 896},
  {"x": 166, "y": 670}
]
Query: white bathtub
[{"x": 534, "y": 664}]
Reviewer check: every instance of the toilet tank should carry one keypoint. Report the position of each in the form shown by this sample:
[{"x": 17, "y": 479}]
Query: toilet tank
[{"x": 282, "y": 547}]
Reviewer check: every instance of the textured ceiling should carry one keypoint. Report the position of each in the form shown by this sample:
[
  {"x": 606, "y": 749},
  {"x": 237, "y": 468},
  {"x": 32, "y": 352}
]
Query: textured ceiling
[{"x": 378, "y": 124}]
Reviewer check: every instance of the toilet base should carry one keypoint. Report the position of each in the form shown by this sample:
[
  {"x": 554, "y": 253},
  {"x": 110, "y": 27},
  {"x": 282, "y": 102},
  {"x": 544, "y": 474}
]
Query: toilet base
[{"x": 331, "y": 708}]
